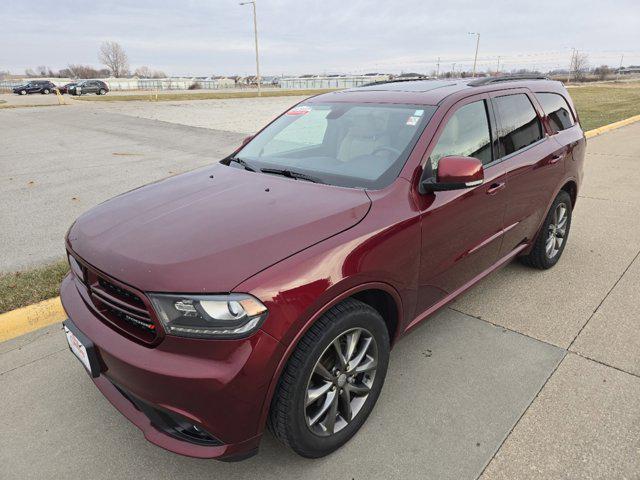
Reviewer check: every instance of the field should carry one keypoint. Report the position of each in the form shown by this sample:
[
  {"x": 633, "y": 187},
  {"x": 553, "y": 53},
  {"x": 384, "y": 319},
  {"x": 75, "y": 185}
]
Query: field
[{"x": 606, "y": 103}]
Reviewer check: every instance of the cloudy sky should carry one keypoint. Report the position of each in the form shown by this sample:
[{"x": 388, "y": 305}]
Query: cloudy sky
[{"x": 203, "y": 37}]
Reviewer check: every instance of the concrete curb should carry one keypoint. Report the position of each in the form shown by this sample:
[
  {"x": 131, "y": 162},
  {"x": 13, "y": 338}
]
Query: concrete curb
[
  {"x": 612, "y": 126},
  {"x": 33, "y": 317}
]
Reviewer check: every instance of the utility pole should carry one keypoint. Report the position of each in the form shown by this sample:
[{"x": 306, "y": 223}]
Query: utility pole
[
  {"x": 475, "y": 59},
  {"x": 498, "y": 66},
  {"x": 619, "y": 68},
  {"x": 255, "y": 34},
  {"x": 453, "y": 70},
  {"x": 573, "y": 54},
  {"x": 438, "y": 68}
]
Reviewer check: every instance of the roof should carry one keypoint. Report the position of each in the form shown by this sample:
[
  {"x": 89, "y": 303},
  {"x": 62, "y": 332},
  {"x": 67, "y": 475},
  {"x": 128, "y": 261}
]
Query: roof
[{"x": 432, "y": 92}]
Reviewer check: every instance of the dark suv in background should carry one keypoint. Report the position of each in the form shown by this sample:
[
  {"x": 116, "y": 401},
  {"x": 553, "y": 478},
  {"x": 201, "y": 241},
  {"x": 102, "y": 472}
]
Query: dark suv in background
[
  {"x": 268, "y": 288},
  {"x": 88, "y": 86},
  {"x": 44, "y": 87}
]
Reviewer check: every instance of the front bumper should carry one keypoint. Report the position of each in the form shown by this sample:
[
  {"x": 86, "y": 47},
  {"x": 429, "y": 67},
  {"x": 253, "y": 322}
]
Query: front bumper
[{"x": 217, "y": 385}]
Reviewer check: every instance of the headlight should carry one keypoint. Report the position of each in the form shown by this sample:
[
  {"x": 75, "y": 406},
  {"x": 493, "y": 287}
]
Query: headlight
[{"x": 209, "y": 316}]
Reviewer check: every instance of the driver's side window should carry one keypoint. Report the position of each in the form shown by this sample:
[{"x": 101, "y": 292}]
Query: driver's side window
[{"x": 466, "y": 134}]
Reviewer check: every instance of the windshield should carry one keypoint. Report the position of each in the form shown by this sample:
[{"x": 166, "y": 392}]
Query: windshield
[{"x": 346, "y": 144}]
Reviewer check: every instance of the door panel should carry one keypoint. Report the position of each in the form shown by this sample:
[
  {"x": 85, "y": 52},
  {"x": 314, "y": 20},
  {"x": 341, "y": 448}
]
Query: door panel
[
  {"x": 461, "y": 229},
  {"x": 533, "y": 170},
  {"x": 461, "y": 236}
]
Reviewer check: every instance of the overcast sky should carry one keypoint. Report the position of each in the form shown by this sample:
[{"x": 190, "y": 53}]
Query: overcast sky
[{"x": 203, "y": 37}]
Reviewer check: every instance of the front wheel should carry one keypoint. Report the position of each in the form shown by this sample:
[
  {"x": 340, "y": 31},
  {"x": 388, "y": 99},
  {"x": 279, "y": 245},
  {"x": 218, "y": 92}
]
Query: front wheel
[
  {"x": 553, "y": 235},
  {"x": 102, "y": 91},
  {"x": 23, "y": 92},
  {"x": 46, "y": 91},
  {"x": 332, "y": 380}
]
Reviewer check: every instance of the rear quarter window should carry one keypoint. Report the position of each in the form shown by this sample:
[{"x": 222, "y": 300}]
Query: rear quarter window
[{"x": 557, "y": 109}]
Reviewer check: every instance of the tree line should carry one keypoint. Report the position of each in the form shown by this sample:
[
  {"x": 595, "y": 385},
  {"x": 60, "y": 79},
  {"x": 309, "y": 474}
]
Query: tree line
[{"x": 111, "y": 55}]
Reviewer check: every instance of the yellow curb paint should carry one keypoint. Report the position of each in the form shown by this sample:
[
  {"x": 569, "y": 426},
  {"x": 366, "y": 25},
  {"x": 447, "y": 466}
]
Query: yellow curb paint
[
  {"x": 40, "y": 315},
  {"x": 32, "y": 317},
  {"x": 612, "y": 126}
]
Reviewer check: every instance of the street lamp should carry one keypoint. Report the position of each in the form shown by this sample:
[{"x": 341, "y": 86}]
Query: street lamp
[
  {"x": 255, "y": 33},
  {"x": 475, "y": 59}
]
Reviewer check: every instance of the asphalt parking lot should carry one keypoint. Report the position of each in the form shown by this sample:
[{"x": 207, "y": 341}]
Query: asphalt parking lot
[
  {"x": 529, "y": 375},
  {"x": 59, "y": 161}
]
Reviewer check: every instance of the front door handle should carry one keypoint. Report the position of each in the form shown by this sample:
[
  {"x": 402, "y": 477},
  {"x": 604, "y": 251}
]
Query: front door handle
[{"x": 495, "y": 187}]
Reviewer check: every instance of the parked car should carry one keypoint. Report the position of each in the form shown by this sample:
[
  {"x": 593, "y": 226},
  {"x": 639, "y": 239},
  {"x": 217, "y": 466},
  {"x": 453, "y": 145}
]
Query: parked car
[
  {"x": 65, "y": 88},
  {"x": 268, "y": 288},
  {"x": 89, "y": 86},
  {"x": 44, "y": 87}
]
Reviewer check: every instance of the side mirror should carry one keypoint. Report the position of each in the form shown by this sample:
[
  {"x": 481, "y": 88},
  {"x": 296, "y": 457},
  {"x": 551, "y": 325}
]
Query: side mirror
[
  {"x": 454, "y": 173},
  {"x": 246, "y": 140}
]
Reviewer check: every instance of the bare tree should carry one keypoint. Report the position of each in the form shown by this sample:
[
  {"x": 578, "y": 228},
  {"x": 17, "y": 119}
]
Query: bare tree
[
  {"x": 113, "y": 56},
  {"x": 602, "y": 72},
  {"x": 146, "y": 72},
  {"x": 579, "y": 65},
  {"x": 143, "y": 72}
]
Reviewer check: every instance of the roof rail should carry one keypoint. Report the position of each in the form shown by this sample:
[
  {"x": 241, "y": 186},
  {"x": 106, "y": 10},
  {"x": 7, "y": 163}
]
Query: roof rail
[
  {"x": 397, "y": 80},
  {"x": 505, "y": 78}
]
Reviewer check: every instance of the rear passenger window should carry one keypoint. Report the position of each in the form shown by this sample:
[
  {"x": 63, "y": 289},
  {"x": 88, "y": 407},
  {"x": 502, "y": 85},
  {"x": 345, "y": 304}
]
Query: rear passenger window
[
  {"x": 466, "y": 134},
  {"x": 556, "y": 108},
  {"x": 519, "y": 123}
]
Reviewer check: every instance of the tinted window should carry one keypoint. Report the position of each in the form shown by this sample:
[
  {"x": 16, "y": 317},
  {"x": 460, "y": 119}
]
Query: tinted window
[
  {"x": 466, "y": 134},
  {"x": 557, "y": 109},
  {"x": 519, "y": 123}
]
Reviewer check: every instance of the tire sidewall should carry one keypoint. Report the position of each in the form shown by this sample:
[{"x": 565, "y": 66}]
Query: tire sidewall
[
  {"x": 562, "y": 197},
  {"x": 308, "y": 441}
]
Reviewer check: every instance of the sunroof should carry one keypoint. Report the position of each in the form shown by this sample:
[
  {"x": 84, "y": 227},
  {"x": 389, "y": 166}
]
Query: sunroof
[{"x": 410, "y": 86}]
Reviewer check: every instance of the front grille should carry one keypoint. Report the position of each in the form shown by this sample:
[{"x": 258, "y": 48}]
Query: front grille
[{"x": 119, "y": 305}]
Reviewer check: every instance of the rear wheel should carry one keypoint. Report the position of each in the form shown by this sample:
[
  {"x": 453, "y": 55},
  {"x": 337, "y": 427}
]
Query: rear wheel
[
  {"x": 102, "y": 91},
  {"x": 332, "y": 380},
  {"x": 23, "y": 92},
  {"x": 553, "y": 235},
  {"x": 46, "y": 91}
]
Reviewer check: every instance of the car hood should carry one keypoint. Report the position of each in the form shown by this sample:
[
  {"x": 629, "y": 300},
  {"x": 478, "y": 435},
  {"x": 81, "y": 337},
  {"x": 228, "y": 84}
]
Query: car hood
[{"x": 210, "y": 229}]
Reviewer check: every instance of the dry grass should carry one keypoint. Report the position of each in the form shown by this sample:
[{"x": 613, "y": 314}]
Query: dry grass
[
  {"x": 605, "y": 103},
  {"x": 165, "y": 97},
  {"x": 19, "y": 289}
]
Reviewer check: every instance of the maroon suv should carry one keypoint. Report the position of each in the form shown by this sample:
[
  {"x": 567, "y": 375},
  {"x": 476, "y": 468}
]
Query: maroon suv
[{"x": 268, "y": 289}]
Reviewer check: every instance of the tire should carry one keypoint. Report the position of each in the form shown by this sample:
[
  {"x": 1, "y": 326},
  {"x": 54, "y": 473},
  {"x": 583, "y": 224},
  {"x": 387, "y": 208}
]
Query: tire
[
  {"x": 546, "y": 252},
  {"x": 291, "y": 420},
  {"x": 45, "y": 91},
  {"x": 102, "y": 91},
  {"x": 23, "y": 92}
]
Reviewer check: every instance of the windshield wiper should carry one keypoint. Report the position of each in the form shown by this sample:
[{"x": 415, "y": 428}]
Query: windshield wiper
[
  {"x": 244, "y": 163},
  {"x": 291, "y": 174}
]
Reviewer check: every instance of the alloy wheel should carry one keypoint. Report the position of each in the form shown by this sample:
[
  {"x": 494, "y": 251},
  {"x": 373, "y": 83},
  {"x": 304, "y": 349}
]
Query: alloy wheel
[
  {"x": 341, "y": 381},
  {"x": 557, "y": 230}
]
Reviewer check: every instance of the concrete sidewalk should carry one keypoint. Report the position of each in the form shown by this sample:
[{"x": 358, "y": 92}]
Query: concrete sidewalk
[{"x": 529, "y": 375}]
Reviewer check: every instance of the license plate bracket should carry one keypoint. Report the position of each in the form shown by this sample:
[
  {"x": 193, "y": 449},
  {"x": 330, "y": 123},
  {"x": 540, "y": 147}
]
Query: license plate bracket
[{"x": 82, "y": 348}]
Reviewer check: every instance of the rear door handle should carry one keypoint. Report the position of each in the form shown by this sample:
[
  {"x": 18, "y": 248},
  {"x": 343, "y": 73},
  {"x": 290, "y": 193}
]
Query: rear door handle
[
  {"x": 495, "y": 187},
  {"x": 556, "y": 158}
]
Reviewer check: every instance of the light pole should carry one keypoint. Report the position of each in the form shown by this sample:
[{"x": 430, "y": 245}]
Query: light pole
[
  {"x": 255, "y": 33},
  {"x": 475, "y": 59}
]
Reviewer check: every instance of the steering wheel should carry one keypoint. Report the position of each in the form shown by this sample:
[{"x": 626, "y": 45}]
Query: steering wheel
[{"x": 386, "y": 148}]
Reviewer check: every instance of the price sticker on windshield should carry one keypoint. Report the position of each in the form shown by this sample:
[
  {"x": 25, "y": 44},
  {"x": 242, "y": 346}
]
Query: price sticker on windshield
[{"x": 299, "y": 110}]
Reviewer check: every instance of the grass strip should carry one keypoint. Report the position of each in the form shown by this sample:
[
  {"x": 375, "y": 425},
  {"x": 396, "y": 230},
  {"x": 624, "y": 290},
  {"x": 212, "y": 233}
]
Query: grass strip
[{"x": 19, "y": 289}]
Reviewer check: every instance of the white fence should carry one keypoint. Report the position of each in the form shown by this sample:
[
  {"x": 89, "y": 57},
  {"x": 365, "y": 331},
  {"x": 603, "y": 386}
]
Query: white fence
[
  {"x": 118, "y": 84},
  {"x": 302, "y": 83}
]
